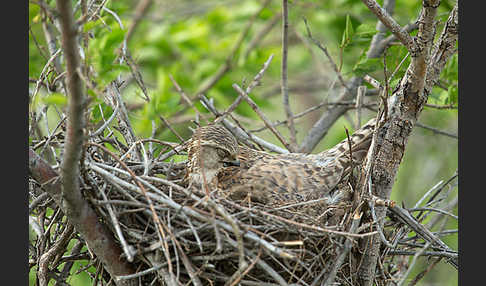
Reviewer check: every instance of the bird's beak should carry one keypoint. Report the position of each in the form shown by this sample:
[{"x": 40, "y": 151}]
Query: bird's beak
[{"x": 235, "y": 163}]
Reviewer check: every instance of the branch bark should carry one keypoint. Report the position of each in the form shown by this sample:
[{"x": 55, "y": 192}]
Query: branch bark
[
  {"x": 388, "y": 147},
  {"x": 76, "y": 208},
  {"x": 96, "y": 234},
  {"x": 390, "y": 23},
  {"x": 284, "y": 80}
]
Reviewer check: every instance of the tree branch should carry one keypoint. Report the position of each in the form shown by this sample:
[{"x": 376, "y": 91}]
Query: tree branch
[
  {"x": 391, "y": 24},
  {"x": 96, "y": 234},
  {"x": 389, "y": 144},
  {"x": 284, "y": 80},
  {"x": 76, "y": 208}
]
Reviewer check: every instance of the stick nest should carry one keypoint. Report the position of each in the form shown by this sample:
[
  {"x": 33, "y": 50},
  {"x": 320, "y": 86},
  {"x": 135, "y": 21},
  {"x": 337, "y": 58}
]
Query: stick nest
[{"x": 202, "y": 237}]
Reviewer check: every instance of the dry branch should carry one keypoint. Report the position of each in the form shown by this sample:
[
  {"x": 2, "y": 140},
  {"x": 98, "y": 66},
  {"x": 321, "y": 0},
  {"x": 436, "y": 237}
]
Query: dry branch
[
  {"x": 177, "y": 234},
  {"x": 98, "y": 237},
  {"x": 284, "y": 79},
  {"x": 404, "y": 108}
]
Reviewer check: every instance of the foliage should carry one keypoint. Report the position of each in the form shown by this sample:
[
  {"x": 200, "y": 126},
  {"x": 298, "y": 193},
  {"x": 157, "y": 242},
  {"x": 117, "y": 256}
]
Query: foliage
[{"x": 189, "y": 41}]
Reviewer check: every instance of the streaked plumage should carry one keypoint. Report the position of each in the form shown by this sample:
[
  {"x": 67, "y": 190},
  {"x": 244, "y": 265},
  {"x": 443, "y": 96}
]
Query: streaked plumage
[{"x": 274, "y": 179}]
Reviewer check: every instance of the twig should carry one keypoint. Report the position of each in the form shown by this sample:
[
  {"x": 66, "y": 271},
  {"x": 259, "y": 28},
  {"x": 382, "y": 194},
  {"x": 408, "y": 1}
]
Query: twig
[
  {"x": 141, "y": 273},
  {"x": 324, "y": 49},
  {"x": 434, "y": 210},
  {"x": 377, "y": 47},
  {"x": 348, "y": 104},
  {"x": 269, "y": 125},
  {"x": 140, "y": 11},
  {"x": 425, "y": 271},
  {"x": 284, "y": 79},
  {"x": 443, "y": 49},
  {"x": 359, "y": 103},
  {"x": 252, "y": 264},
  {"x": 434, "y": 195},
  {"x": 56, "y": 249},
  {"x": 127, "y": 249},
  {"x": 449, "y": 106},
  {"x": 350, "y": 149},
  {"x": 412, "y": 264},
  {"x": 167, "y": 124},
  {"x": 398, "y": 67},
  {"x": 261, "y": 34},
  {"x": 238, "y": 132},
  {"x": 229, "y": 60},
  {"x": 125, "y": 127},
  {"x": 391, "y": 24},
  {"x": 186, "y": 99},
  {"x": 409, "y": 220},
  {"x": 107, "y": 122},
  {"x": 443, "y": 254},
  {"x": 255, "y": 82},
  {"x": 437, "y": 131},
  {"x": 348, "y": 244},
  {"x": 322, "y": 126}
]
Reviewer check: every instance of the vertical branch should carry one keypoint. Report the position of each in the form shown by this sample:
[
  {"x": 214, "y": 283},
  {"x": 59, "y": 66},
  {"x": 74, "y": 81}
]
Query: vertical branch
[
  {"x": 78, "y": 211},
  {"x": 404, "y": 106},
  {"x": 75, "y": 119},
  {"x": 284, "y": 84}
]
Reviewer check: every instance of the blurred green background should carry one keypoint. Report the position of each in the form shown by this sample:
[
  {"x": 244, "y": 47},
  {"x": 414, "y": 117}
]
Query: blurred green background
[{"x": 191, "y": 40}]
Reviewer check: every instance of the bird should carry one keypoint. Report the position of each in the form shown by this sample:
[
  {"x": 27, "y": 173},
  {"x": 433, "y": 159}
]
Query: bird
[{"x": 216, "y": 160}]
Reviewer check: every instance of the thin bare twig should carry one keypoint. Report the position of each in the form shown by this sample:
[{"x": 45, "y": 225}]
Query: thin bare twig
[
  {"x": 324, "y": 49},
  {"x": 412, "y": 264},
  {"x": 437, "y": 131},
  {"x": 229, "y": 60},
  {"x": 284, "y": 72},
  {"x": 269, "y": 125},
  {"x": 238, "y": 132},
  {"x": 255, "y": 82}
]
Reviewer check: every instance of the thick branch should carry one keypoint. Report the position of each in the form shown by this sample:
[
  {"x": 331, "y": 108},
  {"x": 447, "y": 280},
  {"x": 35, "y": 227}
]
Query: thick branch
[
  {"x": 77, "y": 209},
  {"x": 443, "y": 49},
  {"x": 394, "y": 129},
  {"x": 75, "y": 122},
  {"x": 96, "y": 234},
  {"x": 390, "y": 23}
]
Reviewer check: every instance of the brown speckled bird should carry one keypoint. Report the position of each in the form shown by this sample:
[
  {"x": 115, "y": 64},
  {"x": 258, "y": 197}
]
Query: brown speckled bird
[{"x": 272, "y": 179}]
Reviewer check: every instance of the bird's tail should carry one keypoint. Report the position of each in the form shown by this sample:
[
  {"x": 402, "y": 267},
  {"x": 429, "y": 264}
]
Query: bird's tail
[{"x": 360, "y": 143}]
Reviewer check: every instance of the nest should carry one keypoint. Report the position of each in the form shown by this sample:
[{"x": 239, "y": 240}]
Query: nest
[
  {"x": 201, "y": 236},
  {"x": 174, "y": 234}
]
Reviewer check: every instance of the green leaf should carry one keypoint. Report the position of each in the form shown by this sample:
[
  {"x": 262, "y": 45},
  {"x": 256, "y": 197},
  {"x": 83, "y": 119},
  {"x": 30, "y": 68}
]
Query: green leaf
[
  {"x": 364, "y": 33},
  {"x": 367, "y": 65},
  {"x": 96, "y": 113},
  {"x": 34, "y": 15},
  {"x": 365, "y": 30},
  {"x": 348, "y": 32},
  {"x": 92, "y": 24},
  {"x": 103, "y": 52},
  {"x": 55, "y": 99}
]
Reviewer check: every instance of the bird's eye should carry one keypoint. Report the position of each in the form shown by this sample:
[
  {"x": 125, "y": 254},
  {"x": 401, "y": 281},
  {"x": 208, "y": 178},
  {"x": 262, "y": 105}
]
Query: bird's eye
[{"x": 226, "y": 164}]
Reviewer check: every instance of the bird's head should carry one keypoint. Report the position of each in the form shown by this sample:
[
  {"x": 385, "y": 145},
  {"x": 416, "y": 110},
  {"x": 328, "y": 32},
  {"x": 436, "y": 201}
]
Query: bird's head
[{"x": 211, "y": 148}]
